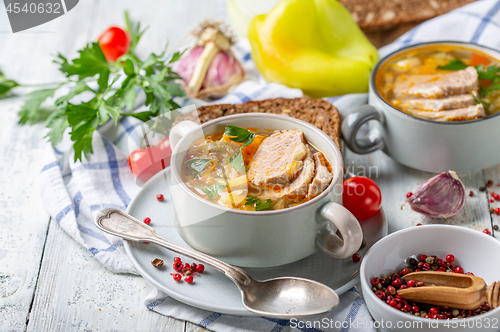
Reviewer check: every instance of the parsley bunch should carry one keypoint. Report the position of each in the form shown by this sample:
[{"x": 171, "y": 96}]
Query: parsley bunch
[{"x": 154, "y": 76}]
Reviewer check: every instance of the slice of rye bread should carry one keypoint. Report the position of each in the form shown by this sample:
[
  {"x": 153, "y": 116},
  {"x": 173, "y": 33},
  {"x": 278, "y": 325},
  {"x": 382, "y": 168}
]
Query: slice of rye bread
[
  {"x": 379, "y": 15},
  {"x": 317, "y": 112}
]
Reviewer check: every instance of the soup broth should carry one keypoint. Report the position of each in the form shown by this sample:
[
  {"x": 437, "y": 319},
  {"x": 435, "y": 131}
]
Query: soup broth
[
  {"x": 256, "y": 170},
  {"x": 441, "y": 82}
]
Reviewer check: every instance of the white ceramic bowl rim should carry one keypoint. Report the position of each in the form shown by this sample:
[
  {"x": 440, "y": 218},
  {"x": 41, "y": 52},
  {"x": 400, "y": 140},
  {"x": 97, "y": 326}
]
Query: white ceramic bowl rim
[
  {"x": 401, "y": 50},
  {"x": 338, "y": 170},
  {"x": 374, "y": 248}
]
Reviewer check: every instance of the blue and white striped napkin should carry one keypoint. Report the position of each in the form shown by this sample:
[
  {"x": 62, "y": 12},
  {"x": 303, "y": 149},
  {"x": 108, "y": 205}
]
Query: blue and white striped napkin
[{"x": 73, "y": 192}]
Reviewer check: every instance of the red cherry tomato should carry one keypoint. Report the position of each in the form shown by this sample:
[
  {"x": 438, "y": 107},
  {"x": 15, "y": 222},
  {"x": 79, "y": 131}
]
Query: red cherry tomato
[
  {"x": 144, "y": 163},
  {"x": 165, "y": 149},
  {"x": 114, "y": 43},
  {"x": 362, "y": 197}
]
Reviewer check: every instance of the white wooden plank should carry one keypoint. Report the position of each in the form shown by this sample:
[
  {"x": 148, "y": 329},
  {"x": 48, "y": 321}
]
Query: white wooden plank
[
  {"x": 194, "y": 328},
  {"x": 27, "y": 56},
  {"x": 395, "y": 180},
  {"x": 23, "y": 221},
  {"x": 75, "y": 292}
]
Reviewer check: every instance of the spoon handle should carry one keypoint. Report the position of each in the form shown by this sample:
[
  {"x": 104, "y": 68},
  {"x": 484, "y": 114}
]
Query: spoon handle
[{"x": 119, "y": 223}]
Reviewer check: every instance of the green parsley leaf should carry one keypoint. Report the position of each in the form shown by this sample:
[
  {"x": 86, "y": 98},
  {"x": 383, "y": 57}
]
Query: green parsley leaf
[
  {"x": 79, "y": 88},
  {"x": 212, "y": 191},
  {"x": 454, "y": 64},
  {"x": 263, "y": 205},
  {"x": 251, "y": 200},
  {"x": 176, "y": 56},
  {"x": 57, "y": 122},
  {"x": 485, "y": 91},
  {"x": 30, "y": 110},
  {"x": 236, "y": 162},
  {"x": 258, "y": 204},
  {"x": 198, "y": 165},
  {"x": 83, "y": 119},
  {"x": 239, "y": 135},
  {"x": 134, "y": 31},
  {"x": 490, "y": 73},
  {"x": 91, "y": 62},
  {"x": 143, "y": 116},
  {"x": 6, "y": 84},
  {"x": 479, "y": 101},
  {"x": 106, "y": 111}
]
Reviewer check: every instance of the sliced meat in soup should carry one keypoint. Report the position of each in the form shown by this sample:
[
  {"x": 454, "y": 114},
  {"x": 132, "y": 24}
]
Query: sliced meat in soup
[
  {"x": 437, "y": 85},
  {"x": 279, "y": 159},
  {"x": 322, "y": 176},
  {"x": 437, "y": 105},
  {"x": 468, "y": 113}
]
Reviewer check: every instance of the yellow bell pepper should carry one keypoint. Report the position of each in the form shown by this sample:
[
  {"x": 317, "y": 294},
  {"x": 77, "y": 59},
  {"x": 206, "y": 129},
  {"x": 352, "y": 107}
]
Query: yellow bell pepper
[{"x": 313, "y": 45}]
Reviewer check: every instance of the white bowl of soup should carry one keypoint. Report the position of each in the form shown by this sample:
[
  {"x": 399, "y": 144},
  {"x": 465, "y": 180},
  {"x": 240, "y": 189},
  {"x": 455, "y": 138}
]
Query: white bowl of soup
[
  {"x": 260, "y": 190},
  {"x": 436, "y": 107}
]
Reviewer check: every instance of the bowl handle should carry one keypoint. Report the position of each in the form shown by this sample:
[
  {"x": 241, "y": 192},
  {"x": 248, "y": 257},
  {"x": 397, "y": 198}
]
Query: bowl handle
[
  {"x": 179, "y": 130},
  {"x": 348, "y": 226},
  {"x": 373, "y": 141}
]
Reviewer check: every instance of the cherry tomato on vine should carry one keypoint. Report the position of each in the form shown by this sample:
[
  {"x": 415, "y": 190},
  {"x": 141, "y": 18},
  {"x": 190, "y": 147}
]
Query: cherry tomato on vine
[
  {"x": 144, "y": 163},
  {"x": 362, "y": 197},
  {"x": 114, "y": 42}
]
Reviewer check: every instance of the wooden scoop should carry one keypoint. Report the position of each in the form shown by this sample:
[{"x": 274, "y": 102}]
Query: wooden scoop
[{"x": 451, "y": 289}]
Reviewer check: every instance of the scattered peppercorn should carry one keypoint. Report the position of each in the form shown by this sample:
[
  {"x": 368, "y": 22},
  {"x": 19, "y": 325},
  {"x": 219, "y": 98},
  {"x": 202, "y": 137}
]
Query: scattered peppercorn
[
  {"x": 409, "y": 194},
  {"x": 200, "y": 268},
  {"x": 471, "y": 193},
  {"x": 363, "y": 244},
  {"x": 147, "y": 220},
  {"x": 495, "y": 196},
  {"x": 482, "y": 189},
  {"x": 495, "y": 227},
  {"x": 160, "y": 197},
  {"x": 487, "y": 231},
  {"x": 492, "y": 209},
  {"x": 177, "y": 277},
  {"x": 158, "y": 263},
  {"x": 356, "y": 257},
  {"x": 188, "y": 279},
  {"x": 490, "y": 200},
  {"x": 489, "y": 183},
  {"x": 419, "y": 224},
  {"x": 497, "y": 211}
]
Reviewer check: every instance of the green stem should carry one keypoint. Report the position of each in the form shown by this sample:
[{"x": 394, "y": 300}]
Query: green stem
[{"x": 40, "y": 84}]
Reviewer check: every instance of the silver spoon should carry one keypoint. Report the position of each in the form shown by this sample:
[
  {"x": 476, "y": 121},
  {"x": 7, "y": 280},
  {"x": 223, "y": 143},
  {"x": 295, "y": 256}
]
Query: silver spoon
[{"x": 285, "y": 298}]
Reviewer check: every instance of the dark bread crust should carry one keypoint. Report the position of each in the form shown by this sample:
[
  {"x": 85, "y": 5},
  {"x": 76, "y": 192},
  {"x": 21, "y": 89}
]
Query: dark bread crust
[
  {"x": 317, "y": 112},
  {"x": 380, "y": 15}
]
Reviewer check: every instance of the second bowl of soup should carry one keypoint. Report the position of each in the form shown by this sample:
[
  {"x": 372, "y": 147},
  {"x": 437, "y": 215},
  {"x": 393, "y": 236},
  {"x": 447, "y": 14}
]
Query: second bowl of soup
[
  {"x": 260, "y": 190},
  {"x": 436, "y": 107}
]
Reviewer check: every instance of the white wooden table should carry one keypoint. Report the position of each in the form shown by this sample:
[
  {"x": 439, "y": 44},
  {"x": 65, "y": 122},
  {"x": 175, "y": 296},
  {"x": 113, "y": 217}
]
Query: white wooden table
[{"x": 48, "y": 282}]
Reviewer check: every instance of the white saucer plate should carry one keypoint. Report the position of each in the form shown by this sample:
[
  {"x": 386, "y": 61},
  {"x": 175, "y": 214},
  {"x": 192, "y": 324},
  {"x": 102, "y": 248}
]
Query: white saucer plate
[{"x": 212, "y": 290}]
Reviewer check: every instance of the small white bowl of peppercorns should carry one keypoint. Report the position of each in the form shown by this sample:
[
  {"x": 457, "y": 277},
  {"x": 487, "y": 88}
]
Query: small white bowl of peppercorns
[{"x": 446, "y": 248}]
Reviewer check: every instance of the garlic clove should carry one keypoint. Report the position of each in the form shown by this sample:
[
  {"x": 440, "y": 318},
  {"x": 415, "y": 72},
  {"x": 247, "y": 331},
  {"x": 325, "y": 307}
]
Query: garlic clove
[
  {"x": 224, "y": 69},
  {"x": 185, "y": 66},
  {"x": 442, "y": 196},
  {"x": 210, "y": 69}
]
